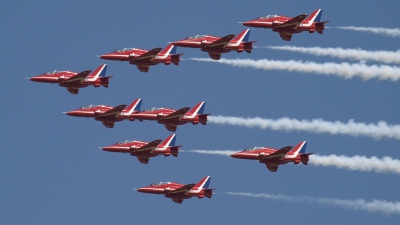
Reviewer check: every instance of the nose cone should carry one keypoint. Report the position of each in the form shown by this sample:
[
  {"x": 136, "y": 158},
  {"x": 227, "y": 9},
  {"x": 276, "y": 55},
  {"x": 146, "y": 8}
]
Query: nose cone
[
  {"x": 108, "y": 148},
  {"x": 74, "y": 113},
  {"x": 106, "y": 56},
  {"x": 235, "y": 155},
  {"x": 248, "y": 23},
  {"x": 37, "y": 79},
  {"x": 143, "y": 190}
]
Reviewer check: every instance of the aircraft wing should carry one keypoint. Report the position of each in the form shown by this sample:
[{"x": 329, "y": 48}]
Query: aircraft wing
[
  {"x": 222, "y": 41},
  {"x": 272, "y": 167},
  {"x": 294, "y": 22},
  {"x": 80, "y": 76},
  {"x": 149, "y": 147},
  {"x": 183, "y": 189},
  {"x": 286, "y": 36},
  {"x": 278, "y": 154},
  {"x": 113, "y": 111},
  {"x": 143, "y": 160},
  {"x": 171, "y": 127},
  {"x": 149, "y": 56},
  {"x": 177, "y": 114}
]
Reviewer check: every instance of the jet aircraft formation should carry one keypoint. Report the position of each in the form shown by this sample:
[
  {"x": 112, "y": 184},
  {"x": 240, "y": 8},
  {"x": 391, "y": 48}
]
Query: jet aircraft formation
[{"x": 170, "y": 118}]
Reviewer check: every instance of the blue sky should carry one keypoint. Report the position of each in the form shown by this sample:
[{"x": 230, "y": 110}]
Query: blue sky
[{"x": 52, "y": 171}]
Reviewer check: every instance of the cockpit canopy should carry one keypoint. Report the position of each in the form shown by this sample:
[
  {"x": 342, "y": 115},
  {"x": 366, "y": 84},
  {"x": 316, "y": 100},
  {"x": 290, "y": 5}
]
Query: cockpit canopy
[
  {"x": 91, "y": 106},
  {"x": 160, "y": 183},
  {"x": 53, "y": 72},
  {"x": 152, "y": 109},
  {"x": 126, "y": 49},
  {"x": 267, "y": 17},
  {"x": 252, "y": 149},
  {"x": 197, "y": 36},
  {"x": 124, "y": 142}
]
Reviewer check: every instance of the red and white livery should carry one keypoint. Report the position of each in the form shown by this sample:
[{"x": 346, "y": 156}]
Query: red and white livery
[
  {"x": 272, "y": 158},
  {"x": 215, "y": 46},
  {"x": 178, "y": 192},
  {"x": 171, "y": 118},
  {"x": 143, "y": 59},
  {"x": 287, "y": 26},
  {"x": 144, "y": 150},
  {"x": 108, "y": 115},
  {"x": 73, "y": 80}
]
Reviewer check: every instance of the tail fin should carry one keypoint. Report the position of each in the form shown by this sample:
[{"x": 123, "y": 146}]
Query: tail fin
[
  {"x": 242, "y": 37},
  {"x": 100, "y": 71},
  {"x": 134, "y": 106},
  {"x": 315, "y": 16},
  {"x": 299, "y": 148},
  {"x": 197, "y": 109},
  {"x": 170, "y": 49},
  {"x": 170, "y": 141},
  {"x": 204, "y": 183}
]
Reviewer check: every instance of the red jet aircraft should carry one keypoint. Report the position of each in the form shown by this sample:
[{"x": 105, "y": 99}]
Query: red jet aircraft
[
  {"x": 106, "y": 114},
  {"x": 144, "y": 150},
  {"x": 178, "y": 192},
  {"x": 215, "y": 46},
  {"x": 143, "y": 59},
  {"x": 172, "y": 118},
  {"x": 287, "y": 26},
  {"x": 272, "y": 158},
  {"x": 73, "y": 81}
]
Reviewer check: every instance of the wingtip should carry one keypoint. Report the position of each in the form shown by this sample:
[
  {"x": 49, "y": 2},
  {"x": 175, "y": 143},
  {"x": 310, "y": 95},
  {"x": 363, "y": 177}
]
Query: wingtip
[{"x": 64, "y": 112}]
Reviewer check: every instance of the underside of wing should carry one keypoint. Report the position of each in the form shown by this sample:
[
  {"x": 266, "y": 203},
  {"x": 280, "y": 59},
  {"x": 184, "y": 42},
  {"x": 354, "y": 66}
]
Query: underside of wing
[
  {"x": 272, "y": 167},
  {"x": 294, "y": 22},
  {"x": 148, "y": 56},
  {"x": 113, "y": 112},
  {"x": 108, "y": 124},
  {"x": 183, "y": 189},
  {"x": 214, "y": 55},
  {"x": 143, "y": 68},
  {"x": 278, "y": 154},
  {"x": 177, "y": 114},
  {"x": 177, "y": 200},
  {"x": 222, "y": 41},
  {"x": 171, "y": 127},
  {"x": 286, "y": 36},
  {"x": 149, "y": 147},
  {"x": 143, "y": 160},
  {"x": 80, "y": 76},
  {"x": 73, "y": 90}
]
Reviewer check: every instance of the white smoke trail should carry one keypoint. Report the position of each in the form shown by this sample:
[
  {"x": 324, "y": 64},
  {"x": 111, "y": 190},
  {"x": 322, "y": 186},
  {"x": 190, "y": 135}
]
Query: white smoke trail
[
  {"x": 360, "y": 163},
  {"x": 379, "y": 130},
  {"x": 391, "y": 32},
  {"x": 384, "y": 207},
  {"x": 354, "y": 54},
  {"x": 343, "y": 70},
  {"x": 213, "y": 152}
]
